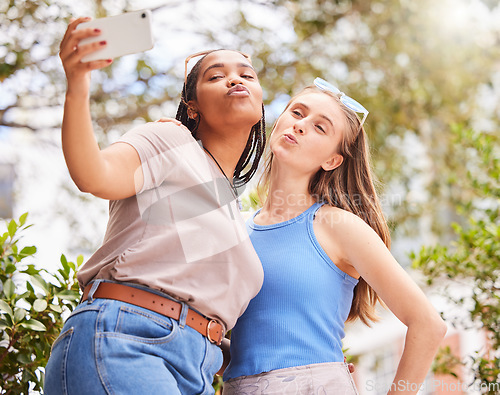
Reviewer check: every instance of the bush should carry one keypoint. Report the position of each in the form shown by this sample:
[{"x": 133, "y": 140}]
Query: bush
[
  {"x": 473, "y": 259},
  {"x": 33, "y": 304}
]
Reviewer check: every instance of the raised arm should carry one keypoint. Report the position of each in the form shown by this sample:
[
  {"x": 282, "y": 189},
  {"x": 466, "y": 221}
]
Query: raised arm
[
  {"x": 364, "y": 250},
  {"x": 110, "y": 173}
]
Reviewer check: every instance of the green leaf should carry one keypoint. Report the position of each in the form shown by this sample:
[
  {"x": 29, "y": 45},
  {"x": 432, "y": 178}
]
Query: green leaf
[
  {"x": 63, "y": 260},
  {"x": 22, "y": 219},
  {"x": 25, "y": 295},
  {"x": 72, "y": 266},
  {"x": 9, "y": 288},
  {"x": 34, "y": 325},
  {"x": 27, "y": 251},
  {"x": 3, "y": 324},
  {"x": 30, "y": 287},
  {"x": 40, "y": 282},
  {"x": 68, "y": 294},
  {"x": 40, "y": 305},
  {"x": 5, "y": 307},
  {"x": 10, "y": 268},
  {"x": 56, "y": 308},
  {"x": 23, "y": 359},
  {"x": 12, "y": 228},
  {"x": 31, "y": 270},
  {"x": 9, "y": 320},
  {"x": 64, "y": 273},
  {"x": 19, "y": 315},
  {"x": 79, "y": 260}
]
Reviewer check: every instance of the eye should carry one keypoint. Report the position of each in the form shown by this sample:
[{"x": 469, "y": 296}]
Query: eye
[
  {"x": 214, "y": 77},
  {"x": 321, "y": 128},
  {"x": 248, "y": 76},
  {"x": 297, "y": 113}
]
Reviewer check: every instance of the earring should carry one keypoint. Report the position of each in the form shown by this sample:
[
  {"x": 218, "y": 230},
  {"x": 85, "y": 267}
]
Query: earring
[{"x": 192, "y": 114}]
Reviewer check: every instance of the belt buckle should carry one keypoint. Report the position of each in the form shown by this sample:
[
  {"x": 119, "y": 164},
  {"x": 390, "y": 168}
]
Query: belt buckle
[{"x": 213, "y": 341}]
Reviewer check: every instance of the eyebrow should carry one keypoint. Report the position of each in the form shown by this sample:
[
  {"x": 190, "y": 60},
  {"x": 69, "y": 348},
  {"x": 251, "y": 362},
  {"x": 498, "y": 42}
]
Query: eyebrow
[
  {"x": 220, "y": 65},
  {"x": 321, "y": 115}
]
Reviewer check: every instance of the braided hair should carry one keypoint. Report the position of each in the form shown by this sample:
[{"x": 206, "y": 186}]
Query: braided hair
[{"x": 256, "y": 140}]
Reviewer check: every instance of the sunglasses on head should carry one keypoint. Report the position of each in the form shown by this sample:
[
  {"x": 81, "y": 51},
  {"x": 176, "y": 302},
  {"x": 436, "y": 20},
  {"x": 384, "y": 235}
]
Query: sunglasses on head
[{"x": 349, "y": 102}]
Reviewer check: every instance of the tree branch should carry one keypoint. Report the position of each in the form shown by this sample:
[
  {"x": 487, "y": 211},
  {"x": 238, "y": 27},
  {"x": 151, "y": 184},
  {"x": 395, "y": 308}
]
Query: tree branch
[{"x": 16, "y": 125}]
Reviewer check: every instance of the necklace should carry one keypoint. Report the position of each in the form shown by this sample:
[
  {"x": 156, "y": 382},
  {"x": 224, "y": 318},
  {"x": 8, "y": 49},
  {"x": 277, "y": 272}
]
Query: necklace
[{"x": 233, "y": 188}]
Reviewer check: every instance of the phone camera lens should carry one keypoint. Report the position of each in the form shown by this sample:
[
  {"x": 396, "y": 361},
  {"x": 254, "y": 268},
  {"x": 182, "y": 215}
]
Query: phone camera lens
[{"x": 143, "y": 15}]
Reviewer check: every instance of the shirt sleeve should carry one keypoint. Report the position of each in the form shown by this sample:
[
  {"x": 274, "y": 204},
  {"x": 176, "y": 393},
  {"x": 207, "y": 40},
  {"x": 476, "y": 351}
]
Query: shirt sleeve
[{"x": 157, "y": 144}]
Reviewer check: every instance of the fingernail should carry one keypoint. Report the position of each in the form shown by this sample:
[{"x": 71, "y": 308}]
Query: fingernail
[
  {"x": 102, "y": 42},
  {"x": 97, "y": 30},
  {"x": 109, "y": 60},
  {"x": 87, "y": 18}
]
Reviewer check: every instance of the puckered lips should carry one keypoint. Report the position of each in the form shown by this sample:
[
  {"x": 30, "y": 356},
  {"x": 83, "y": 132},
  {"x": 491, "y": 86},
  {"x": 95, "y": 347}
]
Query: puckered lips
[
  {"x": 290, "y": 138},
  {"x": 238, "y": 90}
]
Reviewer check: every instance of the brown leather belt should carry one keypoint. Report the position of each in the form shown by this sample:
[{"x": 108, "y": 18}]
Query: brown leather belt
[{"x": 211, "y": 329}]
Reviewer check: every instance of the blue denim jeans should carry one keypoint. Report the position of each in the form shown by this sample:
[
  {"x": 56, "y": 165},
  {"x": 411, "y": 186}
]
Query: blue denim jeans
[{"x": 111, "y": 347}]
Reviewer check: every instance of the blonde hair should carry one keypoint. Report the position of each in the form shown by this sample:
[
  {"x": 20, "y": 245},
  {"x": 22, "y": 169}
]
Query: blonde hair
[{"x": 350, "y": 187}]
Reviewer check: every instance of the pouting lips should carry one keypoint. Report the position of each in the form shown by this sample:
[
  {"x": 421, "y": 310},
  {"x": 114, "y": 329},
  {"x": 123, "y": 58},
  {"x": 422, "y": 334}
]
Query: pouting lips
[
  {"x": 290, "y": 137},
  {"x": 238, "y": 88}
]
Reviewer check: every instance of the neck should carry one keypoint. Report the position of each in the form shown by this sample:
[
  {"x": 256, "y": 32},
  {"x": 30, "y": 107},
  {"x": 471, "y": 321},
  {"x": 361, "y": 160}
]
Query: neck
[
  {"x": 288, "y": 194},
  {"x": 226, "y": 147}
]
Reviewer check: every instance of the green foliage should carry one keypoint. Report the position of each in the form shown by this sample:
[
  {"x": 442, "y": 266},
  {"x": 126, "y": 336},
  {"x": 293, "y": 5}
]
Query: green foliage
[
  {"x": 31, "y": 311},
  {"x": 217, "y": 384},
  {"x": 473, "y": 259},
  {"x": 446, "y": 362},
  {"x": 31, "y": 32},
  {"x": 252, "y": 201}
]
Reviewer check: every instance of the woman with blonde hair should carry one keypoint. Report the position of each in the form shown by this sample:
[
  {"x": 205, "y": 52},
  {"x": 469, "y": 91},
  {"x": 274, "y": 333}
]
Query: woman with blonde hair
[{"x": 324, "y": 244}]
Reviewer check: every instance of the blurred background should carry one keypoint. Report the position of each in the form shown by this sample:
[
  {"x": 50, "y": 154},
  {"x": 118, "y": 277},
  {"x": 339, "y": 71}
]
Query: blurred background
[{"x": 428, "y": 72}]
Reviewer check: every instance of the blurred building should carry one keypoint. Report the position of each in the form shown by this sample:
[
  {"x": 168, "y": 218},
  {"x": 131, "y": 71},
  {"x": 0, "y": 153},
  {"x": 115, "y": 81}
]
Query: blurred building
[{"x": 7, "y": 176}]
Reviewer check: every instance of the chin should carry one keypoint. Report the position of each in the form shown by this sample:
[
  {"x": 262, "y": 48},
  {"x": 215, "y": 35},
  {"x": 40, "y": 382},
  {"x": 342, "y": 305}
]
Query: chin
[
  {"x": 245, "y": 114},
  {"x": 245, "y": 120}
]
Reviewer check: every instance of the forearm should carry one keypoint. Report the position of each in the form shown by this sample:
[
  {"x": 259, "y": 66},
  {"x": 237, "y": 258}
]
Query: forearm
[
  {"x": 81, "y": 151},
  {"x": 421, "y": 345},
  {"x": 83, "y": 156}
]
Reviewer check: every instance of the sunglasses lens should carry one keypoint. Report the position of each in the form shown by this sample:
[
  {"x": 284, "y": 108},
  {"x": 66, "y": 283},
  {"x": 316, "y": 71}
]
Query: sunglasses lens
[
  {"x": 325, "y": 85},
  {"x": 353, "y": 104},
  {"x": 348, "y": 102}
]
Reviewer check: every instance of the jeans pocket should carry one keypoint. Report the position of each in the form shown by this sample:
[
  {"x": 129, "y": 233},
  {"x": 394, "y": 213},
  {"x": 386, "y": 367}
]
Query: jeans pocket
[
  {"x": 144, "y": 325},
  {"x": 65, "y": 338}
]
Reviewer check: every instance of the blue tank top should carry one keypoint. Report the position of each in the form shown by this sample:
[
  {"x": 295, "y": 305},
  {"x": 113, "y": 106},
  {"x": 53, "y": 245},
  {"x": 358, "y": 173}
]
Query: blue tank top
[{"x": 298, "y": 316}]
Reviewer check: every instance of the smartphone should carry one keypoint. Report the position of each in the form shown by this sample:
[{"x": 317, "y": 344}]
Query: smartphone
[{"x": 125, "y": 34}]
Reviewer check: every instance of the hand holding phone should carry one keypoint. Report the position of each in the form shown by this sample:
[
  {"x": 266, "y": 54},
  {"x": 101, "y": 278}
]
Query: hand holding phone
[{"x": 124, "y": 34}]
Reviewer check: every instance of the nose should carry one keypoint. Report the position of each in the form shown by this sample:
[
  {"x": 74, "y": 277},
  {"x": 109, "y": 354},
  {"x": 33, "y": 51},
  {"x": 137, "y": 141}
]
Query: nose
[
  {"x": 299, "y": 127},
  {"x": 235, "y": 80}
]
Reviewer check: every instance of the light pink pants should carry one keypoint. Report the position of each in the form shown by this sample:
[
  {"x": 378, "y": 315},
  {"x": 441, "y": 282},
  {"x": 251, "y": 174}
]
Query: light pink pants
[{"x": 331, "y": 378}]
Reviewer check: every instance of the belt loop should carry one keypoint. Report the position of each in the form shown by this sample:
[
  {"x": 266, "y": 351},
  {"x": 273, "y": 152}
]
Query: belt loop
[
  {"x": 183, "y": 315},
  {"x": 95, "y": 285}
]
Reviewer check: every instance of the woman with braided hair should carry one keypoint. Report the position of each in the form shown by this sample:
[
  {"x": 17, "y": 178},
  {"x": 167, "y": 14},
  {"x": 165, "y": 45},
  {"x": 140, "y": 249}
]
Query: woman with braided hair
[{"x": 176, "y": 267}]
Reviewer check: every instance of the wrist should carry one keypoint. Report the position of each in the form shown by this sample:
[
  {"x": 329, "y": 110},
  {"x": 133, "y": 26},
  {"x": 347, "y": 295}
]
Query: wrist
[
  {"x": 78, "y": 85},
  {"x": 77, "y": 94}
]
